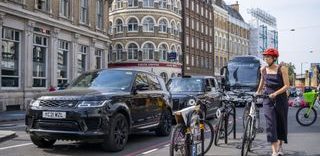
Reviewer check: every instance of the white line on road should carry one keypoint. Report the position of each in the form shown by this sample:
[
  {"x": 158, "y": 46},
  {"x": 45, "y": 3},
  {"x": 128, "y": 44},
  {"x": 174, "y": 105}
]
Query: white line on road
[
  {"x": 167, "y": 145},
  {"x": 147, "y": 152},
  {"x": 14, "y": 146}
]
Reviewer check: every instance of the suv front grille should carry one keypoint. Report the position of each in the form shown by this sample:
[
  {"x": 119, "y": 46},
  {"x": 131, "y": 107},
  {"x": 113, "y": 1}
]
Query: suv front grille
[{"x": 58, "y": 103}]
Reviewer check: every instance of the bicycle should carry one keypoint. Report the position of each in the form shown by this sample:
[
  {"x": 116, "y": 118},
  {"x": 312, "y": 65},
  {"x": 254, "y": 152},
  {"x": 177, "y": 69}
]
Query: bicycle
[
  {"x": 251, "y": 125},
  {"x": 226, "y": 119},
  {"x": 192, "y": 135},
  {"x": 307, "y": 115}
]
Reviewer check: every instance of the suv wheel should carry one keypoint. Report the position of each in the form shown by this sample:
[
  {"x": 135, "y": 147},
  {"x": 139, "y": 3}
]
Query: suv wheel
[
  {"x": 165, "y": 124},
  {"x": 118, "y": 134},
  {"x": 42, "y": 142}
]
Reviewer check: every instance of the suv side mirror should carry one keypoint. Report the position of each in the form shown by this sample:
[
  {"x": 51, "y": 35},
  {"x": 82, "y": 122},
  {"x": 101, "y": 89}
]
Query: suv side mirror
[{"x": 142, "y": 86}]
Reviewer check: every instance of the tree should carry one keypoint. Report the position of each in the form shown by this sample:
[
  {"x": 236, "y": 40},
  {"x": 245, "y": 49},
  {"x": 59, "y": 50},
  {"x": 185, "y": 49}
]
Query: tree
[{"x": 291, "y": 72}]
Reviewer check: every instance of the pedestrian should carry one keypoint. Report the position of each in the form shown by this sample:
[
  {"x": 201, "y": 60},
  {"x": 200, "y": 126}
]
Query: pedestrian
[
  {"x": 275, "y": 82},
  {"x": 51, "y": 89}
]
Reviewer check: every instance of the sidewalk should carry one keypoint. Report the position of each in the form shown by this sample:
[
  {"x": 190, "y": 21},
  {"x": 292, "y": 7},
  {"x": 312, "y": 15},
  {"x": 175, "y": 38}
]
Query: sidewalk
[
  {"x": 5, "y": 135},
  {"x": 12, "y": 116}
]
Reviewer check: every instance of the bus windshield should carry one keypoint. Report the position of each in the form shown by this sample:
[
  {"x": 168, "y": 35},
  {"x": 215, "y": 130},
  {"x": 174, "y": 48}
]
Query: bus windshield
[{"x": 243, "y": 74}]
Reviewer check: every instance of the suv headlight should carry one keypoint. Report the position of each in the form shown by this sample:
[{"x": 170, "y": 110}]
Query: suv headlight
[
  {"x": 83, "y": 104},
  {"x": 191, "y": 102},
  {"x": 35, "y": 103}
]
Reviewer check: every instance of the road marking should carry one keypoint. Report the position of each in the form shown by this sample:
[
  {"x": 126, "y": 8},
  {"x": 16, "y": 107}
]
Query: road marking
[
  {"x": 14, "y": 146},
  {"x": 167, "y": 145},
  {"x": 150, "y": 151}
]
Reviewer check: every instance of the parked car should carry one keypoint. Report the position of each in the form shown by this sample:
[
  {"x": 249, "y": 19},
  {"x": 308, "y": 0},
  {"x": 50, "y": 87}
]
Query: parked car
[
  {"x": 101, "y": 106},
  {"x": 181, "y": 88}
]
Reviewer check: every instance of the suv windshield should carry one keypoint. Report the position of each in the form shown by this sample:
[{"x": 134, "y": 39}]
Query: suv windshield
[
  {"x": 107, "y": 79},
  {"x": 185, "y": 85}
]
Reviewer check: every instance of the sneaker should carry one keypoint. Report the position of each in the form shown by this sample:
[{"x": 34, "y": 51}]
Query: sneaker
[
  {"x": 280, "y": 152},
  {"x": 274, "y": 154}
]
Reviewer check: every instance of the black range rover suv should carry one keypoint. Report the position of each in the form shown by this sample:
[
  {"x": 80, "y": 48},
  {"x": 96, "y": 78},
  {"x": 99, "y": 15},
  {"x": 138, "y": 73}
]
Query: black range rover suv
[
  {"x": 101, "y": 106},
  {"x": 184, "y": 88}
]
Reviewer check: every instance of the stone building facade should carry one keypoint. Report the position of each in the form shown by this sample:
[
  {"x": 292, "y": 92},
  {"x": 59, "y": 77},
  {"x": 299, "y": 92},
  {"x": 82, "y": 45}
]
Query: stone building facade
[
  {"x": 146, "y": 35},
  {"x": 231, "y": 33},
  {"x": 49, "y": 43}
]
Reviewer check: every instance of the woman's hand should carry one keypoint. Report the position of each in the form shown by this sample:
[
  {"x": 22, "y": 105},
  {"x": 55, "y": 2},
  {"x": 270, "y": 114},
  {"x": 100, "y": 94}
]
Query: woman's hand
[{"x": 272, "y": 96}]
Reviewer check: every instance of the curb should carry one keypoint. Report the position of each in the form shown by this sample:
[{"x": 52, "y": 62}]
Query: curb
[
  {"x": 7, "y": 137},
  {"x": 8, "y": 120}
]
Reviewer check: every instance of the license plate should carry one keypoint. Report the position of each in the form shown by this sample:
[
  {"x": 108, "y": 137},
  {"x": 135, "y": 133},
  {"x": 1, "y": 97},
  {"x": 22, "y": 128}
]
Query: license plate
[{"x": 54, "y": 115}]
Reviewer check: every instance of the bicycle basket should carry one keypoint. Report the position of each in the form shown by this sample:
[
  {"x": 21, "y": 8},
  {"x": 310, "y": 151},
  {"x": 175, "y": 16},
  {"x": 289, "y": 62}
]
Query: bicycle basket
[{"x": 310, "y": 97}]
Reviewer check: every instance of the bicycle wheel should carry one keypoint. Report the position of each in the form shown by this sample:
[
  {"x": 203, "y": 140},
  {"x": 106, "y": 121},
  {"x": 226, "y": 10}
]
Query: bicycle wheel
[
  {"x": 218, "y": 131},
  {"x": 306, "y": 116},
  {"x": 177, "y": 142},
  {"x": 245, "y": 115},
  {"x": 246, "y": 140},
  {"x": 208, "y": 135}
]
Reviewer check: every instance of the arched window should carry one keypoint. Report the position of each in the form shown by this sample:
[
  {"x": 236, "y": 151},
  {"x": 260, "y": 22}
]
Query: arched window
[
  {"x": 148, "y": 3},
  {"x": 110, "y": 28},
  {"x": 163, "y": 4},
  {"x": 119, "y": 26},
  {"x": 173, "y": 27},
  {"x": 148, "y": 25},
  {"x": 148, "y": 50},
  {"x": 118, "y": 51},
  {"x": 132, "y": 3},
  {"x": 178, "y": 29},
  {"x": 179, "y": 58},
  {"x": 163, "y": 49},
  {"x": 132, "y": 25},
  {"x": 132, "y": 51},
  {"x": 163, "y": 25}
]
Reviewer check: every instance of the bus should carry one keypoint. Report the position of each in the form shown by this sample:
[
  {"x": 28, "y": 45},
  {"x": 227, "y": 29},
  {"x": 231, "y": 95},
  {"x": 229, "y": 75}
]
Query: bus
[{"x": 242, "y": 73}]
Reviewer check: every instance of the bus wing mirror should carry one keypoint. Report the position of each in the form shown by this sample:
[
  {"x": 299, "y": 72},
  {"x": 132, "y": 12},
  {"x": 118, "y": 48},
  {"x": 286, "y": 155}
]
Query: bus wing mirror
[{"x": 222, "y": 70}]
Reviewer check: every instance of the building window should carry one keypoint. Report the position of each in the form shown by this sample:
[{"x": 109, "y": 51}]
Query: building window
[
  {"x": 43, "y": 5},
  {"x": 132, "y": 51},
  {"x": 10, "y": 58},
  {"x": 148, "y": 25},
  {"x": 198, "y": 26},
  {"x": 198, "y": 43},
  {"x": 163, "y": 4},
  {"x": 119, "y": 26},
  {"x": 217, "y": 61},
  {"x": 192, "y": 5},
  {"x": 119, "y": 50},
  {"x": 40, "y": 46},
  {"x": 163, "y": 25},
  {"x": 133, "y": 25},
  {"x": 192, "y": 42},
  {"x": 192, "y": 23},
  {"x": 98, "y": 54},
  {"x": 187, "y": 40},
  {"x": 119, "y": 4},
  {"x": 99, "y": 19},
  {"x": 192, "y": 60},
  {"x": 148, "y": 3},
  {"x": 201, "y": 11},
  {"x": 187, "y": 21},
  {"x": 197, "y": 8},
  {"x": 65, "y": 8},
  {"x": 197, "y": 62},
  {"x": 163, "y": 49},
  {"x": 148, "y": 50},
  {"x": 173, "y": 28},
  {"x": 84, "y": 11},
  {"x": 82, "y": 59},
  {"x": 187, "y": 59},
  {"x": 132, "y": 3},
  {"x": 221, "y": 61},
  {"x": 187, "y": 4},
  {"x": 63, "y": 51},
  {"x": 178, "y": 31}
]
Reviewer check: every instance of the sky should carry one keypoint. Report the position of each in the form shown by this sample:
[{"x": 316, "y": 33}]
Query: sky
[{"x": 301, "y": 46}]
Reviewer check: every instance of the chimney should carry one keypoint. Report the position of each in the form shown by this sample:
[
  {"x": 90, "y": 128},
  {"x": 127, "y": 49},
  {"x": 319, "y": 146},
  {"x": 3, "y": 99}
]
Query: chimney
[{"x": 235, "y": 6}]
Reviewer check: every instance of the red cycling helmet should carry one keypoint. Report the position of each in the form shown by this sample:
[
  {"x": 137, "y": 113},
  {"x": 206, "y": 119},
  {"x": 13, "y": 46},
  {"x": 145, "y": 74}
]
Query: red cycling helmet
[{"x": 271, "y": 52}]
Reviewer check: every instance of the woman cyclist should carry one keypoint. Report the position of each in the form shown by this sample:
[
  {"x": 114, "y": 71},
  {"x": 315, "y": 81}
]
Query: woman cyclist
[{"x": 275, "y": 82}]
